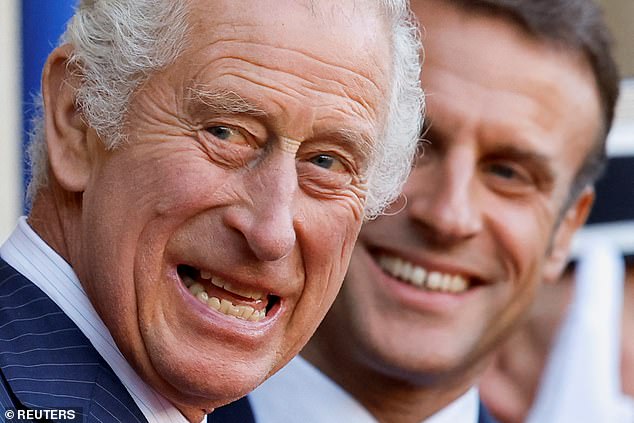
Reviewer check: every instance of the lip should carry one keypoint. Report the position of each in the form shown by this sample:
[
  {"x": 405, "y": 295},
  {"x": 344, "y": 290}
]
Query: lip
[
  {"x": 419, "y": 299},
  {"x": 211, "y": 323}
]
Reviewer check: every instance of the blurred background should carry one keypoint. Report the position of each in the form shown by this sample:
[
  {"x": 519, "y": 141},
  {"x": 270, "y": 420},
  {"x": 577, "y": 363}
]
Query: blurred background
[{"x": 29, "y": 30}]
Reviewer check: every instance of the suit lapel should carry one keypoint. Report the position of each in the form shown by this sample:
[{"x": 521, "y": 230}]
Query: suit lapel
[
  {"x": 484, "y": 416},
  {"x": 237, "y": 412},
  {"x": 48, "y": 363}
]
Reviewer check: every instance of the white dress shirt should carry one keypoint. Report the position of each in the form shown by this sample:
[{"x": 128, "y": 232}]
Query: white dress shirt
[
  {"x": 32, "y": 257},
  {"x": 300, "y": 392}
]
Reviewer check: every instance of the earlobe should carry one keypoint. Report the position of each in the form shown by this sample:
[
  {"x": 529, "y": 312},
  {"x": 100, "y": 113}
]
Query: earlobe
[
  {"x": 574, "y": 218},
  {"x": 66, "y": 132}
]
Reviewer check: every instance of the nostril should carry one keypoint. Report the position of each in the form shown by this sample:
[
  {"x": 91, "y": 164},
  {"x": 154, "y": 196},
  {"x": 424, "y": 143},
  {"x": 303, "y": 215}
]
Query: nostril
[
  {"x": 271, "y": 242},
  {"x": 268, "y": 233}
]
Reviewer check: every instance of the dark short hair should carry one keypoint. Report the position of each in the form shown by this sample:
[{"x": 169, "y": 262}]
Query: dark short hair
[{"x": 577, "y": 25}]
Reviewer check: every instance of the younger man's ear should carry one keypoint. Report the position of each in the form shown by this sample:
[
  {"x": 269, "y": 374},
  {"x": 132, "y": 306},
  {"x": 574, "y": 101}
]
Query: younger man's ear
[
  {"x": 66, "y": 132},
  {"x": 573, "y": 219}
]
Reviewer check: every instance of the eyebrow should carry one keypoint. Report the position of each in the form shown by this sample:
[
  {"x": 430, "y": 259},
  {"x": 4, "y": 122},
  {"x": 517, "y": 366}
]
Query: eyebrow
[
  {"x": 202, "y": 98},
  {"x": 538, "y": 161},
  {"x": 208, "y": 100},
  {"x": 362, "y": 144}
]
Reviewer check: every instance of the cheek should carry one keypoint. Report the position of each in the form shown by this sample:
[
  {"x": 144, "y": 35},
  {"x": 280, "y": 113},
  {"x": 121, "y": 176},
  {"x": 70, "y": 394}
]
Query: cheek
[
  {"x": 132, "y": 205},
  {"x": 521, "y": 234},
  {"x": 326, "y": 245},
  {"x": 329, "y": 232},
  {"x": 327, "y": 237}
]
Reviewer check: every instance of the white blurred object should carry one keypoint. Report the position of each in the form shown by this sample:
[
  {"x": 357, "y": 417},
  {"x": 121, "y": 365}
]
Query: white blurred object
[
  {"x": 581, "y": 382},
  {"x": 11, "y": 112}
]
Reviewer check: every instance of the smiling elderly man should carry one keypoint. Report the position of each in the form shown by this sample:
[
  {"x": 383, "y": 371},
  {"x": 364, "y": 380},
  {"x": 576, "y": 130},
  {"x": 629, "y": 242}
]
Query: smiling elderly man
[{"x": 202, "y": 169}]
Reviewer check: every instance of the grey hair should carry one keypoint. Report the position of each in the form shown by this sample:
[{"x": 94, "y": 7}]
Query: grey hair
[
  {"x": 119, "y": 44},
  {"x": 395, "y": 152}
]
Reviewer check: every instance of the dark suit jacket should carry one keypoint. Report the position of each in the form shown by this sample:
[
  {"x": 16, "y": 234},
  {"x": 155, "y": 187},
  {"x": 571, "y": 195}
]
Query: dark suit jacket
[
  {"x": 46, "y": 362},
  {"x": 240, "y": 412}
]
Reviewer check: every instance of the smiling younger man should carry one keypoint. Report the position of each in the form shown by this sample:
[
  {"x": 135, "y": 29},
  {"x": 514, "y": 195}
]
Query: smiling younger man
[
  {"x": 202, "y": 170},
  {"x": 520, "y": 96}
]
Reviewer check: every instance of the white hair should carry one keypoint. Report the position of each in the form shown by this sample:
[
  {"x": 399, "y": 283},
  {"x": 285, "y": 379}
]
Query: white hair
[
  {"x": 119, "y": 44},
  {"x": 395, "y": 152}
]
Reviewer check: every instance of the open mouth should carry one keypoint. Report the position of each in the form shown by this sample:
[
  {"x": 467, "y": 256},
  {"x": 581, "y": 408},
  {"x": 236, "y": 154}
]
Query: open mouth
[
  {"x": 422, "y": 278},
  {"x": 227, "y": 298}
]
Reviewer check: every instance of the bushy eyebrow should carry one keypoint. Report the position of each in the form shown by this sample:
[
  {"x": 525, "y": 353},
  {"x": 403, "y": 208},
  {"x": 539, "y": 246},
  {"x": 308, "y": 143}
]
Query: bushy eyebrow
[
  {"x": 364, "y": 146},
  {"x": 204, "y": 99}
]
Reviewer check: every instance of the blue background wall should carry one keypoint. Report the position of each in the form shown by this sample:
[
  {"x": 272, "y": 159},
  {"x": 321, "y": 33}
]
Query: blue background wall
[{"x": 43, "y": 21}]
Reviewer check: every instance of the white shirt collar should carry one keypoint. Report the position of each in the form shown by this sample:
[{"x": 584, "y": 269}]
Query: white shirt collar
[
  {"x": 465, "y": 409},
  {"x": 301, "y": 392},
  {"x": 33, "y": 258}
]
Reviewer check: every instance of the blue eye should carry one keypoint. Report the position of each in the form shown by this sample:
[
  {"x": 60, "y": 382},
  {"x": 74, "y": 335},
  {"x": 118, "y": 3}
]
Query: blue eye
[
  {"x": 323, "y": 160},
  {"x": 221, "y": 132}
]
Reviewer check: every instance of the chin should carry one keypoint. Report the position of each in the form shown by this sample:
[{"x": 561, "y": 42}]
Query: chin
[{"x": 194, "y": 387}]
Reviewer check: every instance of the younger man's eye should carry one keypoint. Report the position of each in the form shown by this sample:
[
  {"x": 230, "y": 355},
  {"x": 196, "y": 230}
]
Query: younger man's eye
[{"x": 503, "y": 171}]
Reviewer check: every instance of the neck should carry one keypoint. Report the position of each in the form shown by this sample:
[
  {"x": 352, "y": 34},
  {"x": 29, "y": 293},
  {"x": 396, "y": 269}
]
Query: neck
[
  {"x": 54, "y": 217},
  {"x": 390, "y": 395}
]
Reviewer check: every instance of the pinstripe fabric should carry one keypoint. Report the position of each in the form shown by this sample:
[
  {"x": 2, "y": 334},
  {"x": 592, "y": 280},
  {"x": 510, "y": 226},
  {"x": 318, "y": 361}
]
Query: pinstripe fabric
[{"x": 47, "y": 363}]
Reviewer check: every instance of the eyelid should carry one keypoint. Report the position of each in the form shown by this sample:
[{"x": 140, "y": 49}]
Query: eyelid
[
  {"x": 345, "y": 168},
  {"x": 250, "y": 139},
  {"x": 522, "y": 182},
  {"x": 520, "y": 171},
  {"x": 346, "y": 159}
]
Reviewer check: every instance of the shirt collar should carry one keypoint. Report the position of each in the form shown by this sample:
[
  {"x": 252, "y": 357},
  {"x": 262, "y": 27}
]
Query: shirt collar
[
  {"x": 301, "y": 391},
  {"x": 464, "y": 409}
]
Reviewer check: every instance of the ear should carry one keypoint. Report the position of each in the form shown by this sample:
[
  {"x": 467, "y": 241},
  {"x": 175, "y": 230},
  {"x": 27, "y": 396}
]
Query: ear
[
  {"x": 66, "y": 132},
  {"x": 573, "y": 219}
]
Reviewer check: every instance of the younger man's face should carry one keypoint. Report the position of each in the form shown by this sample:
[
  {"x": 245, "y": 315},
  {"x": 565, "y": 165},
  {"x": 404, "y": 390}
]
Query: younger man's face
[{"x": 435, "y": 285}]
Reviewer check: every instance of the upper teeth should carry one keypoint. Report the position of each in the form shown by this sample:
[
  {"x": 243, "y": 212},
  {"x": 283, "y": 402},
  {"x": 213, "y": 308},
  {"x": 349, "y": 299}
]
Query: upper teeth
[
  {"x": 225, "y": 306},
  {"x": 420, "y": 277},
  {"x": 221, "y": 283}
]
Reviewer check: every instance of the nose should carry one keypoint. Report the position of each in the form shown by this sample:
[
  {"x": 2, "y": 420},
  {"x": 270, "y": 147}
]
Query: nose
[
  {"x": 443, "y": 200},
  {"x": 265, "y": 216}
]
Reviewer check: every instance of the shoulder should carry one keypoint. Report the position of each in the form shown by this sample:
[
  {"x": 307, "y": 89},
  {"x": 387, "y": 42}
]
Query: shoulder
[{"x": 47, "y": 362}]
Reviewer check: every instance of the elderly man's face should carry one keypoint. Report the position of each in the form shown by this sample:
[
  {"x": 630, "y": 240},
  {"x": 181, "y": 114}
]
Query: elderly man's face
[
  {"x": 434, "y": 287},
  {"x": 215, "y": 240}
]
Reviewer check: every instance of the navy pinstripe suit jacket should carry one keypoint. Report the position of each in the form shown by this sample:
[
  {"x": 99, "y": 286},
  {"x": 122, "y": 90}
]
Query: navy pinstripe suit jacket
[{"x": 46, "y": 362}]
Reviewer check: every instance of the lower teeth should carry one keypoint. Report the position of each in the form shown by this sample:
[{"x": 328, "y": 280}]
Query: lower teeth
[{"x": 242, "y": 312}]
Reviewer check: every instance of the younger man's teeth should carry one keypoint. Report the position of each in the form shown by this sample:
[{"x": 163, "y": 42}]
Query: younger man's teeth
[
  {"x": 244, "y": 312},
  {"x": 420, "y": 277},
  {"x": 434, "y": 280}
]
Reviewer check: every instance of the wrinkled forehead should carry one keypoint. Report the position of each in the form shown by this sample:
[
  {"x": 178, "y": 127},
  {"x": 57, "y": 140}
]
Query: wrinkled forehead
[
  {"x": 346, "y": 30},
  {"x": 317, "y": 48}
]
